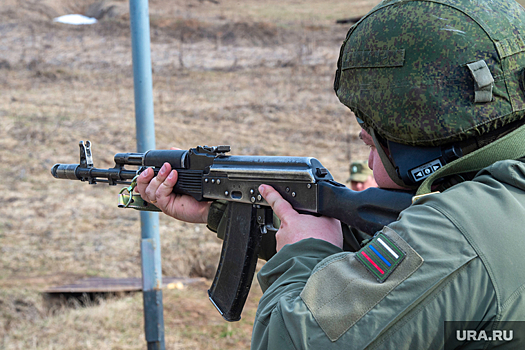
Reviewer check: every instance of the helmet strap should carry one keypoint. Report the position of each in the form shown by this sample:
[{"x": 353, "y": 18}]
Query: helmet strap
[{"x": 387, "y": 162}]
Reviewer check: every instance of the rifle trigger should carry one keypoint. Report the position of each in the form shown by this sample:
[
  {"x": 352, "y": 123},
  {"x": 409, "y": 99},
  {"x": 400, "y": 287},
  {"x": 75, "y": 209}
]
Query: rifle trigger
[
  {"x": 260, "y": 216},
  {"x": 261, "y": 219},
  {"x": 265, "y": 218}
]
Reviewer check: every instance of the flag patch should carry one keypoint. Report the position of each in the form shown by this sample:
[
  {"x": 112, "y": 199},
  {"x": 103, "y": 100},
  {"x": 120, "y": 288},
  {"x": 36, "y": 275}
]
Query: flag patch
[{"x": 381, "y": 256}]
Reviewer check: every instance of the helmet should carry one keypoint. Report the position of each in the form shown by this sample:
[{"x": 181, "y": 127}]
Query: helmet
[
  {"x": 359, "y": 171},
  {"x": 430, "y": 79}
]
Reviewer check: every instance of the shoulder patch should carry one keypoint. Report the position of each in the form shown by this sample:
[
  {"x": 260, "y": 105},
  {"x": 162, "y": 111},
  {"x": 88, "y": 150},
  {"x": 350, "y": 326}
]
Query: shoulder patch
[
  {"x": 342, "y": 288},
  {"x": 380, "y": 256}
]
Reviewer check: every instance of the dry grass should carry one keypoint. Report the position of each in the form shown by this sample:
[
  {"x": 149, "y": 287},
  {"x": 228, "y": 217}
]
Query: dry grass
[
  {"x": 117, "y": 323},
  {"x": 257, "y": 77}
]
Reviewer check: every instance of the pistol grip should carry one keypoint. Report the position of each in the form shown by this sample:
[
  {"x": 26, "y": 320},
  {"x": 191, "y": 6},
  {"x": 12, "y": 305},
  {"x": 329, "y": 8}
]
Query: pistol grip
[{"x": 234, "y": 275}]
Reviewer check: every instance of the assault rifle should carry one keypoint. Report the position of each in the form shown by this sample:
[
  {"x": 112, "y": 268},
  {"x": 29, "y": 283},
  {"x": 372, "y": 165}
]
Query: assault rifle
[{"x": 208, "y": 173}]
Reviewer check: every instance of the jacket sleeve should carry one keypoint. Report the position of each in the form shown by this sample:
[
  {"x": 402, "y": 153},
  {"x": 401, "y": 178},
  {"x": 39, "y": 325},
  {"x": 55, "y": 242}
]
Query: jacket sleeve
[
  {"x": 283, "y": 278},
  {"x": 319, "y": 297}
]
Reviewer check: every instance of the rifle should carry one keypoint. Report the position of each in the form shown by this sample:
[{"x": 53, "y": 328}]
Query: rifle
[{"x": 208, "y": 173}]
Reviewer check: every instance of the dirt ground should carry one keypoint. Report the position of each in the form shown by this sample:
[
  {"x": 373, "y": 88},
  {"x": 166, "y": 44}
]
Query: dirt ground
[{"x": 254, "y": 75}]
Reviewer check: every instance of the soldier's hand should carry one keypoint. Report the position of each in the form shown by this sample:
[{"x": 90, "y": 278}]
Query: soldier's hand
[
  {"x": 295, "y": 227},
  {"x": 159, "y": 191}
]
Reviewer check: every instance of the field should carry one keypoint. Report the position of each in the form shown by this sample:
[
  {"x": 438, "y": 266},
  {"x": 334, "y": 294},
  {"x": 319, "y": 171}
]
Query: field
[{"x": 254, "y": 75}]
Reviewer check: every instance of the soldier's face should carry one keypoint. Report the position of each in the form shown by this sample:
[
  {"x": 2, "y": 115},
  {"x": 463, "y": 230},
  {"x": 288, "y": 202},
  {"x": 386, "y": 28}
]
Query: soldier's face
[
  {"x": 374, "y": 162},
  {"x": 361, "y": 186}
]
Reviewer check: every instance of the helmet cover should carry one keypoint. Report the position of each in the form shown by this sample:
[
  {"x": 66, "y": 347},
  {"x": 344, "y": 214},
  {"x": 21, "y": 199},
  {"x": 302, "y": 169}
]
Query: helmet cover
[{"x": 429, "y": 73}]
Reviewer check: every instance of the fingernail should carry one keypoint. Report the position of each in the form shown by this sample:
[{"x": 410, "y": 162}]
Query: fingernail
[
  {"x": 262, "y": 188},
  {"x": 144, "y": 173},
  {"x": 162, "y": 170},
  {"x": 171, "y": 175}
]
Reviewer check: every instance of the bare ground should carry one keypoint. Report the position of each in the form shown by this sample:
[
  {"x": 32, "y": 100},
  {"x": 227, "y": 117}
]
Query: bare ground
[{"x": 255, "y": 75}]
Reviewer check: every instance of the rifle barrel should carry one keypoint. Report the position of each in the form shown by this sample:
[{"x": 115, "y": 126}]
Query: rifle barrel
[{"x": 75, "y": 172}]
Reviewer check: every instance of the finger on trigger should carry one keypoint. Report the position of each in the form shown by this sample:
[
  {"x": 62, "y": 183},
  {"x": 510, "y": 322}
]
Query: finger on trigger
[{"x": 279, "y": 205}]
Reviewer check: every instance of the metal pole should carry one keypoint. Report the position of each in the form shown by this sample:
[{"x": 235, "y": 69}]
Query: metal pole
[{"x": 145, "y": 130}]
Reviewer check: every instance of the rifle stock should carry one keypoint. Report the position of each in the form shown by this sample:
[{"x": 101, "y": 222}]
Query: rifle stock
[{"x": 207, "y": 173}]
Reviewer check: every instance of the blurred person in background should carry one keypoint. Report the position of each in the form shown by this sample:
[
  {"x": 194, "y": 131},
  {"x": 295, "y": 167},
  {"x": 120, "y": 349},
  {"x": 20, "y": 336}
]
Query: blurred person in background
[{"x": 361, "y": 176}]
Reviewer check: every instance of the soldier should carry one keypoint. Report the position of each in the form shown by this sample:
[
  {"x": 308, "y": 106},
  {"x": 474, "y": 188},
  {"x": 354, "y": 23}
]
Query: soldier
[
  {"x": 438, "y": 87},
  {"x": 361, "y": 176}
]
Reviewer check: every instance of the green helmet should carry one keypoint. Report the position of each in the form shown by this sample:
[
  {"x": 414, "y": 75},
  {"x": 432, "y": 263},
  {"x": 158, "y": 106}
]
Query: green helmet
[
  {"x": 430, "y": 74},
  {"x": 359, "y": 171}
]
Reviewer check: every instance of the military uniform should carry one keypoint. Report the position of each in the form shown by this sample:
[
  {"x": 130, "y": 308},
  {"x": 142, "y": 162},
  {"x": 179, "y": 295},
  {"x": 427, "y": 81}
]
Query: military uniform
[
  {"x": 463, "y": 260},
  {"x": 359, "y": 171},
  {"x": 440, "y": 87}
]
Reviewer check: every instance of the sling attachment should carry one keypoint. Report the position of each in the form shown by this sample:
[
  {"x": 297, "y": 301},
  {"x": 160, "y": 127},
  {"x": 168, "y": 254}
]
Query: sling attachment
[{"x": 134, "y": 200}]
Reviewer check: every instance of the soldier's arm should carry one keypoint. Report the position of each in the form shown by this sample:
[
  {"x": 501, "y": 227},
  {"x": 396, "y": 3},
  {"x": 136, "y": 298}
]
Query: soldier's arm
[{"x": 316, "y": 296}]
